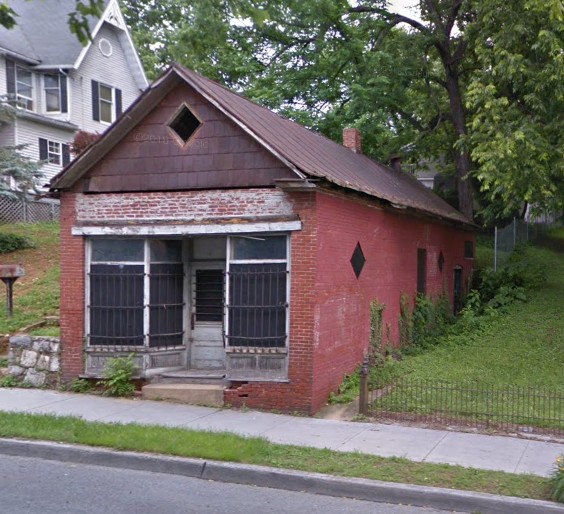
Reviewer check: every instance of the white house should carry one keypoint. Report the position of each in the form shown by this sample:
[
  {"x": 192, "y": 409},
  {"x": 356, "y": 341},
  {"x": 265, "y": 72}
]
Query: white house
[{"x": 57, "y": 85}]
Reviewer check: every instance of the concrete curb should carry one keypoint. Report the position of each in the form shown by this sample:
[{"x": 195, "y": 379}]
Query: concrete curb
[{"x": 262, "y": 476}]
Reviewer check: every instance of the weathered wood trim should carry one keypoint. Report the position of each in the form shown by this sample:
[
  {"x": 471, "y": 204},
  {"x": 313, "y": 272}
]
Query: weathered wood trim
[{"x": 187, "y": 230}]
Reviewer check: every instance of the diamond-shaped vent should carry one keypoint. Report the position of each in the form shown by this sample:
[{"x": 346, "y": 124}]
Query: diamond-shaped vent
[
  {"x": 441, "y": 261},
  {"x": 184, "y": 123},
  {"x": 358, "y": 260}
]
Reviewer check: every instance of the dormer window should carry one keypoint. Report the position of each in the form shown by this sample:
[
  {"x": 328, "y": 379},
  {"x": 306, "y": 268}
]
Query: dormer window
[
  {"x": 24, "y": 88},
  {"x": 55, "y": 89}
]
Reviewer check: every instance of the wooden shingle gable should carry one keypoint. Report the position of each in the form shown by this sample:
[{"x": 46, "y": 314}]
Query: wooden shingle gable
[{"x": 151, "y": 157}]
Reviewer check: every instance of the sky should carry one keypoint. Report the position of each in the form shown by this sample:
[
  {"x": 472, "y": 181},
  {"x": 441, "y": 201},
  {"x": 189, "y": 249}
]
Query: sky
[{"x": 405, "y": 7}]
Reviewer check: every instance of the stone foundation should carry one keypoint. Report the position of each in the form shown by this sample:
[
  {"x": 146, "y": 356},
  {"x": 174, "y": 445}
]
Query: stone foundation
[{"x": 34, "y": 360}]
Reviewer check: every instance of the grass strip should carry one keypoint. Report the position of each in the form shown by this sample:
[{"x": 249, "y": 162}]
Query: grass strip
[{"x": 259, "y": 451}]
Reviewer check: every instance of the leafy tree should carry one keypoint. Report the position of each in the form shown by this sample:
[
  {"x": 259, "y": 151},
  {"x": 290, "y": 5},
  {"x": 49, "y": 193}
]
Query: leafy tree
[
  {"x": 435, "y": 87},
  {"x": 19, "y": 175},
  {"x": 517, "y": 99}
]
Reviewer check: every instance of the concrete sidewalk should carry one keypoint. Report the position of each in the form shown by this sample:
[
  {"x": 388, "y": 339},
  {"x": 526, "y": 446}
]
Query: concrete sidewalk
[{"x": 499, "y": 453}]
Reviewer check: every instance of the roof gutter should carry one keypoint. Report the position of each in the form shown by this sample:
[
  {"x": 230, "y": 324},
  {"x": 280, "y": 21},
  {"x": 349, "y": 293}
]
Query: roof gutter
[{"x": 21, "y": 57}]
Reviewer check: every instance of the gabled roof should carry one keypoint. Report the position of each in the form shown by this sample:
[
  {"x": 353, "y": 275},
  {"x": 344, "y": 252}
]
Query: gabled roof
[
  {"x": 307, "y": 153},
  {"x": 42, "y": 38}
]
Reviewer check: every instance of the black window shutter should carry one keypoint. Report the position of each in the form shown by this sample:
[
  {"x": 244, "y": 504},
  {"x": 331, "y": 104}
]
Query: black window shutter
[
  {"x": 66, "y": 154},
  {"x": 11, "y": 77},
  {"x": 64, "y": 95},
  {"x": 118, "y": 102},
  {"x": 43, "y": 155},
  {"x": 95, "y": 101}
]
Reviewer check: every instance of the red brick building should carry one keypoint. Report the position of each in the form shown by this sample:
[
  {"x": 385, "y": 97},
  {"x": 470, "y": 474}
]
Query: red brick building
[{"x": 204, "y": 232}]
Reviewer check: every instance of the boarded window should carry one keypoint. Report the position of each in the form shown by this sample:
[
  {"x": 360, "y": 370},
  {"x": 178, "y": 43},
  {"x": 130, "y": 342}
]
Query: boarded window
[
  {"x": 468, "y": 249},
  {"x": 421, "y": 270}
]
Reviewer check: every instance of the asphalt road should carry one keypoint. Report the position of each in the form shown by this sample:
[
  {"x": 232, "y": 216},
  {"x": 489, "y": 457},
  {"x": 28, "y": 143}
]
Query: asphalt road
[{"x": 36, "y": 486}]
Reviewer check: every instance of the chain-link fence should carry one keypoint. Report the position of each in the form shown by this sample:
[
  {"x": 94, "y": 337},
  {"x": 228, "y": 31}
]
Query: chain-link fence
[
  {"x": 518, "y": 231},
  {"x": 29, "y": 210}
]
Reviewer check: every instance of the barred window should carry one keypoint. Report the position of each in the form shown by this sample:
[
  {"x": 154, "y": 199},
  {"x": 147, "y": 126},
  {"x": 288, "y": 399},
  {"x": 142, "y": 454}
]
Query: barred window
[
  {"x": 136, "y": 293},
  {"x": 258, "y": 303}
]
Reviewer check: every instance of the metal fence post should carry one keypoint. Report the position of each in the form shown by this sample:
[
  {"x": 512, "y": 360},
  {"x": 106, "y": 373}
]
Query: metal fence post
[{"x": 363, "y": 393}]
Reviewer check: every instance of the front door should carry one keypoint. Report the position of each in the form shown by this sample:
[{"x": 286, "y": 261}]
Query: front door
[{"x": 206, "y": 315}]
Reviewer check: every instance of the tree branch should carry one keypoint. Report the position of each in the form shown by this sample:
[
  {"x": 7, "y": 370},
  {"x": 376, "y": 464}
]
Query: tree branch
[{"x": 391, "y": 17}]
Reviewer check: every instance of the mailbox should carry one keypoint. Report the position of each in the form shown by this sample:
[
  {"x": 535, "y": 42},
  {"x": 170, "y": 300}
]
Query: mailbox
[{"x": 9, "y": 273}]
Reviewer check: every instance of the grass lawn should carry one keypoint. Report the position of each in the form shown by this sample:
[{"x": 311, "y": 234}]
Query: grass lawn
[
  {"x": 252, "y": 450},
  {"x": 37, "y": 294},
  {"x": 522, "y": 346},
  {"x": 503, "y": 368}
]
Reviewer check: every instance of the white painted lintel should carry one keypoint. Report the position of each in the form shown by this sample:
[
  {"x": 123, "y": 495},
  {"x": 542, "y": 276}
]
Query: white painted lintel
[{"x": 186, "y": 230}]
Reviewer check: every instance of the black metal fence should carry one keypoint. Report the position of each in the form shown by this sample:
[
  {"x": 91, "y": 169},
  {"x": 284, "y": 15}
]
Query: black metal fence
[{"x": 515, "y": 409}]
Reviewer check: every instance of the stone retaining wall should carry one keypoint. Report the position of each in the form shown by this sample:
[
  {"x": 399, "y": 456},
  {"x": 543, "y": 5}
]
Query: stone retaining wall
[{"x": 35, "y": 360}]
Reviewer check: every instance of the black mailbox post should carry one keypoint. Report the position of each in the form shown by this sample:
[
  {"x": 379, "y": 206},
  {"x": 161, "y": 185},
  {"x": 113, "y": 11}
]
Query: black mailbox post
[{"x": 9, "y": 273}]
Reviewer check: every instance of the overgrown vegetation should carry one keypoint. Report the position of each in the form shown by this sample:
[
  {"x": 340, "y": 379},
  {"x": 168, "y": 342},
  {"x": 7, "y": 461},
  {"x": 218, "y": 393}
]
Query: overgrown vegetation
[
  {"x": 254, "y": 450},
  {"x": 557, "y": 482},
  {"x": 118, "y": 376},
  {"x": 510, "y": 328},
  {"x": 37, "y": 294},
  {"x": 11, "y": 242}
]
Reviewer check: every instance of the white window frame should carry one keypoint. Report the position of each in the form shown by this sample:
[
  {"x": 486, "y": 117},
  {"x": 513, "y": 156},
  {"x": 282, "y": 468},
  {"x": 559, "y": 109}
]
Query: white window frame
[
  {"x": 230, "y": 260},
  {"x": 26, "y": 102},
  {"x": 146, "y": 263},
  {"x": 112, "y": 103},
  {"x": 54, "y": 152},
  {"x": 59, "y": 89}
]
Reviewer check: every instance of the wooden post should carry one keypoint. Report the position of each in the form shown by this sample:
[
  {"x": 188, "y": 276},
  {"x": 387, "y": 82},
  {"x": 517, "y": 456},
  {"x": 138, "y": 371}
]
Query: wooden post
[{"x": 363, "y": 396}]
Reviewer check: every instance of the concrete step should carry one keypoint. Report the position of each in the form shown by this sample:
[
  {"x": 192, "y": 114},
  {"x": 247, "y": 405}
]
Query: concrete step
[
  {"x": 209, "y": 395},
  {"x": 188, "y": 376}
]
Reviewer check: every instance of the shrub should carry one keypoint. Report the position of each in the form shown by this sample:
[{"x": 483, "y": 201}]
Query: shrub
[
  {"x": 9, "y": 381},
  {"x": 557, "y": 481},
  {"x": 118, "y": 376},
  {"x": 80, "y": 385},
  {"x": 13, "y": 242}
]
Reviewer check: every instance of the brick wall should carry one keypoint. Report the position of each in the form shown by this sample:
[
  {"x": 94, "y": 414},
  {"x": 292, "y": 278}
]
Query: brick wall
[
  {"x": 183, "y": 205},
  {"x": 72, "y": 292},
  {"x": 296, "y": 395},
  {"x": 329, "y": 306},
  {"x": 389, "y": 242}
]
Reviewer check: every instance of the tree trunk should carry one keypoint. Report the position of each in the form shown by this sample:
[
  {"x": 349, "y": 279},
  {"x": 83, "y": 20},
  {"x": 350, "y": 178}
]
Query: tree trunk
[{"x": 463, "y": 162}]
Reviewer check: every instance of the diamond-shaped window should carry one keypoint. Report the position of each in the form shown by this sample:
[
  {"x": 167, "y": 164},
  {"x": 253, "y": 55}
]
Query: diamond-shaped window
[
  {"x": 184, "y": 123},
  {"x": 441, "y": 261},
  {"x": 358, "y": 260}
]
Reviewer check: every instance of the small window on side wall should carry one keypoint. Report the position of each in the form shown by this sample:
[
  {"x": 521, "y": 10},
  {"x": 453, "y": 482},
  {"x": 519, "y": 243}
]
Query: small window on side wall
[
  {"x": 468, "y": 249},
  {"x": 421, "y": 270}
]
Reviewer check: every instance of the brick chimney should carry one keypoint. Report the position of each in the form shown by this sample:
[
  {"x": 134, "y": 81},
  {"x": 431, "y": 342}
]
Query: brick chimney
[
  {"x": 352, "y": 139},
  {"x": 395, "y": 162}
]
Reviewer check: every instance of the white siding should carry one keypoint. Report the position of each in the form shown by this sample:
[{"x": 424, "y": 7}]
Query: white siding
[
  {"x": 29, "y": 133},
  {"x": 3, "y": 86},
  {"x": 112, "y": 71},
  {"x": 7, "y": 135}
]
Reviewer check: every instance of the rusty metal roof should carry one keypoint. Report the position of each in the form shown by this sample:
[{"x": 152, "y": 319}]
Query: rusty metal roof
[
  {"x": 320, "y": 157},
  {"x": 309, "y": 154}
]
